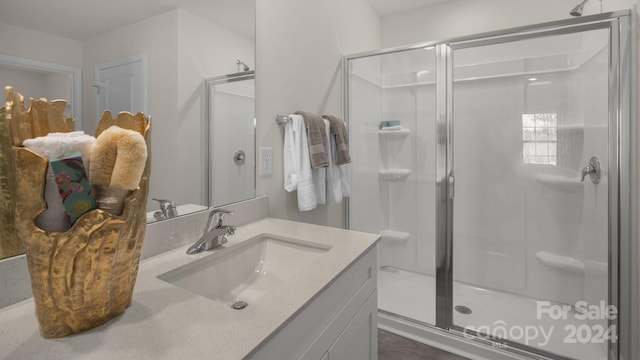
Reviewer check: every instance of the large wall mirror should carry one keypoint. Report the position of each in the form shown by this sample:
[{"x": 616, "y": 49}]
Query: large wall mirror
[{"x": 89, "y": 49}]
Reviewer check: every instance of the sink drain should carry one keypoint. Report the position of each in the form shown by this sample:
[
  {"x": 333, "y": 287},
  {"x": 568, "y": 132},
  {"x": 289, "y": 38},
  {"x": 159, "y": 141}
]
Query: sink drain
[
  {"x": 239, "y": 305},
  {"x": 463, "y": 309}
]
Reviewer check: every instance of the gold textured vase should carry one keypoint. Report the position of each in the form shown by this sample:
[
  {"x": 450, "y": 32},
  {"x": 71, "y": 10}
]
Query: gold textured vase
[
  {"x": 83, "y": 277},
  {"x": 10, "y": 244}
]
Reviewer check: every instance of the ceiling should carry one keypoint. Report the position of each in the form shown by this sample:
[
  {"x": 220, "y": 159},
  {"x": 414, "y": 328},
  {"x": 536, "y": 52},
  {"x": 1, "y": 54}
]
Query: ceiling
[{"x": 84, "y": 19}]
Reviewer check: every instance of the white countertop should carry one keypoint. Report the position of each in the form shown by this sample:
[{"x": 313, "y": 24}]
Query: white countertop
[{"x": 168, "y": 322}]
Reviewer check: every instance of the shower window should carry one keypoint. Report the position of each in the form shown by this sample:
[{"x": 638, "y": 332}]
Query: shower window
[{"x": 540, "y": 138}]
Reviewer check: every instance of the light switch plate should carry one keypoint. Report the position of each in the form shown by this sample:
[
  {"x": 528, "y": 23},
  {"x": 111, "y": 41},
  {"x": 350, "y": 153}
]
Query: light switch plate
[{"x": 266, "y": 161}]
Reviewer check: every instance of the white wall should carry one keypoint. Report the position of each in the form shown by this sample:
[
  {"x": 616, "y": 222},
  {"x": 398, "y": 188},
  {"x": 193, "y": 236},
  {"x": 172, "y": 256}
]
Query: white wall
[
  {"x": 299, "y": 49},
  {"x": 35, "y": 45}
]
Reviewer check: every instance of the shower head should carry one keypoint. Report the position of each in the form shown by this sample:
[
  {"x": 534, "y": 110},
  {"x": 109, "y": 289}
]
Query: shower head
[
  {"x": 245, "y": 67},
  {"x": 577, "y": 11}
]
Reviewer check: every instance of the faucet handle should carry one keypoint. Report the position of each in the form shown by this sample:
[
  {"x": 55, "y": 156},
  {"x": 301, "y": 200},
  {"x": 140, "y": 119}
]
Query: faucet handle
[
  {"x": 219, "y": 213},
  {"x": 222, "y": 211},
  {"x": 167, "y": 208},
  {"x": 162, "y": 202}
]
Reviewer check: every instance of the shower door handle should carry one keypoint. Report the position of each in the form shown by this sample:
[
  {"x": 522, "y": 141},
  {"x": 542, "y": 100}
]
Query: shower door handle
[
  {"x": 451, "y": 184},
  {"x": 593, "y": 170}
]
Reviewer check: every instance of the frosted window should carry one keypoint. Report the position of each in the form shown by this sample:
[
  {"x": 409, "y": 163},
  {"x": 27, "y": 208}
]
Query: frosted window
[{"x": 540, "y": 138}]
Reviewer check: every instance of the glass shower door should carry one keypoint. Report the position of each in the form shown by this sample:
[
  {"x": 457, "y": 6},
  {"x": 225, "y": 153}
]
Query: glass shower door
[
  {"x": 392, "y": 106},
  {"x": 529, "y": 176}
]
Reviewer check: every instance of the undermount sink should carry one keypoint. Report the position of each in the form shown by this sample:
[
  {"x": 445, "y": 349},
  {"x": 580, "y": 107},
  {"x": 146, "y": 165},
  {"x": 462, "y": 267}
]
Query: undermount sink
[{"x": 246, "y": 271}]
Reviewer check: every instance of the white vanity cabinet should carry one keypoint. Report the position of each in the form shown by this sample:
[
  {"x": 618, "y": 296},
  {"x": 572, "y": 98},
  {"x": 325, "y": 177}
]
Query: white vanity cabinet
[{"x": 340, "y": 323}]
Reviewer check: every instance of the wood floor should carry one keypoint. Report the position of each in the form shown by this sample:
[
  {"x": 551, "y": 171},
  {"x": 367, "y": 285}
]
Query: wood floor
[{"x": 394, "y": 347}]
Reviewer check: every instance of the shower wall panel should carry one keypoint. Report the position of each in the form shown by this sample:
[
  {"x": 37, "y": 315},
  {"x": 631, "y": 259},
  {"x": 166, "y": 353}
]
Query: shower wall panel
[
  {"x": 401, "y": 207},
  {"x": 365, "y": 113}
]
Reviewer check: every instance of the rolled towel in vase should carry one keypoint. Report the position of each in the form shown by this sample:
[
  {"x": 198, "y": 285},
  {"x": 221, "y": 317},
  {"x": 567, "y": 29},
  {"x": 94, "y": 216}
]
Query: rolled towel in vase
[
  {"x": 58, "y": 144},
  {"x": 119, "y": 158}
]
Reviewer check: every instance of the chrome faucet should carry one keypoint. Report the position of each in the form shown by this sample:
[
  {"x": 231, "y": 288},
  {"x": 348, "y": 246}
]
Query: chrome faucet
[
  {"x": 213, "y": 237},
  {"x": 167, "y": 210}
]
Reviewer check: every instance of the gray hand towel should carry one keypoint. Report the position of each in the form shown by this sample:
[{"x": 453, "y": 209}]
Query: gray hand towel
[
  {"x": 316, "y": 138},
  {"x": 342, "y": 139}
]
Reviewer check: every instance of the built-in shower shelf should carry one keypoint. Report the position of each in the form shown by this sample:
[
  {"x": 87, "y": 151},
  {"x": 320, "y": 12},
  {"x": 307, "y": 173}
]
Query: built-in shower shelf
[
  {"x": 561, "y": 262},
  {"x": 394, "y": 174},
  {"x": 393, "y": 235},
  {"x": 394, "y": 134},
  {"x": 560, "y": 181}
]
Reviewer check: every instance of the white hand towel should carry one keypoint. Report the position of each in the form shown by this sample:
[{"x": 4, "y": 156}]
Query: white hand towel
[
  {"x": 334, "y": 186},
  {"x": 319, "y": 178},
  {"x": 344, "y": 180},
  {"x": 297, "y": 167},
  {"x": 290, "y": 161},
  {"x": 53, "y": 218}
]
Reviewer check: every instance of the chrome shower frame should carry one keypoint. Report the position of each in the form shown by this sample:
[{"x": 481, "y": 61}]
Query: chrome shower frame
[{"x": 623, "y": 183}]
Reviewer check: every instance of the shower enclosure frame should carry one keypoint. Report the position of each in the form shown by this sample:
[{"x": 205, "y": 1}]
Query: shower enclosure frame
[{"x": 622, "y": 184}]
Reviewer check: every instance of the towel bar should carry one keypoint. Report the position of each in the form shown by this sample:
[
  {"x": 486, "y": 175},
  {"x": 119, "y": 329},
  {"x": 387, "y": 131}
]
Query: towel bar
[{"x": 282, "y": 119}]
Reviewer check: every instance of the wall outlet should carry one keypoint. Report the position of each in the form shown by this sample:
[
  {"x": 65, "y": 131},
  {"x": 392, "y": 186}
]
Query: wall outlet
[{"x": 266, "y": 161}]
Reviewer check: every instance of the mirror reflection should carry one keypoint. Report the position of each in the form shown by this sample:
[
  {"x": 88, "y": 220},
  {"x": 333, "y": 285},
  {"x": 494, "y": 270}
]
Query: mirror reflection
[
  {"x": 152, "y": 58},
  {"x": 230, "y": 113},
  {"x": 43, "y": 79}
]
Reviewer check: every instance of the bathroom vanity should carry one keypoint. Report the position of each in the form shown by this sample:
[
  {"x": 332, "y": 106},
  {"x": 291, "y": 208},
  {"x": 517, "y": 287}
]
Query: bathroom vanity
[{"x": 312, "y": 295}]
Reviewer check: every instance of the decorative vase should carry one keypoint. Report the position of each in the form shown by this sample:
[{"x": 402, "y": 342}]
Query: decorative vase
[{"x": 83, "y": 277}]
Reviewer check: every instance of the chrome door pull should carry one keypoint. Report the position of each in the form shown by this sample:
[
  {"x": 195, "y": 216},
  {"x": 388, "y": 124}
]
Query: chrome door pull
[{"x": 593, "y": 170}]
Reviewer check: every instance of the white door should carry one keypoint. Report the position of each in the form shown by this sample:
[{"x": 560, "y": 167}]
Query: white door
[{"x": 121, "y": 86}]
